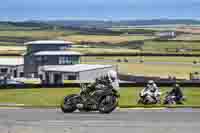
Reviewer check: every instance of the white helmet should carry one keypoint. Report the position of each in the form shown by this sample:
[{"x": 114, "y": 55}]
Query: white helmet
[
  {"x": 112, "y": 75},
  {"x": 151, "y": 82}
]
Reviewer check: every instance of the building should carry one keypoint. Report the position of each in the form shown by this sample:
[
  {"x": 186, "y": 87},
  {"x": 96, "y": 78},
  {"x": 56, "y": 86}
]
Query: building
[
  {"x": 57, "y": 74},
  {"x": 36, "y": 57},
  {"x": 53, "y": 63},
  {"x": 47, "y": 45},
  {"x": 43, "y": 58},
  {"x": 11, "y": 67},
  {"x": 166, "y": 35}
]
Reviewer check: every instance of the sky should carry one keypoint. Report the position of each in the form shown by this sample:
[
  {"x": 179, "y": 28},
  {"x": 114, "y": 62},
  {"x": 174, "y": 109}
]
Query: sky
[{"x": 99, "y": 9}]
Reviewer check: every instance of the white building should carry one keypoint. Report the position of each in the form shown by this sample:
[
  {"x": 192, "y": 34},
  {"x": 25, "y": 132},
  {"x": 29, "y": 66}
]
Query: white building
[
  {"x": 166, "y": 34},
  {"x": 57, "y": 74},
  {"x": 11, "y": 67}
]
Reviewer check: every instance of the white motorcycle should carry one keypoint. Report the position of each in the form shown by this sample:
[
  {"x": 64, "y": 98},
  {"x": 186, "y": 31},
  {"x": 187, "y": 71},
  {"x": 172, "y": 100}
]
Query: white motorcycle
[{"x": 149, "y": 97}]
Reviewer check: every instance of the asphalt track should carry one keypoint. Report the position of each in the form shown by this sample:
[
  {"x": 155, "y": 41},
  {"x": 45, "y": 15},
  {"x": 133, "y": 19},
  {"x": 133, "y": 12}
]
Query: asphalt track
[{"x": 120, "y": 121}]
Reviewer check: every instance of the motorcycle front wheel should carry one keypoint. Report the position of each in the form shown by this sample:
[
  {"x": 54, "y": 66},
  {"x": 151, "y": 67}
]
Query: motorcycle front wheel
[
  {"x": 68, "y": 105},
  {"x": 107, "y": 104}
]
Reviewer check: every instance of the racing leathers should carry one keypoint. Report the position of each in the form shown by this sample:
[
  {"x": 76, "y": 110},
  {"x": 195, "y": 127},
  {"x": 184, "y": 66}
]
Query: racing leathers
[
  {"x": 151, "y": 90},
  {"x": 105, "y": 81}
]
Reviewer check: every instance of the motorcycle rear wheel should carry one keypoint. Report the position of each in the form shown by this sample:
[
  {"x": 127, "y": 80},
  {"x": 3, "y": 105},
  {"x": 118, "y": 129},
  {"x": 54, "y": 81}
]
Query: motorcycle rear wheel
[{"x": 106, "y": 106}]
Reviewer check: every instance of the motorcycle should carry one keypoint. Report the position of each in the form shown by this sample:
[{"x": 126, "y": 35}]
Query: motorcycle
[
  {"x": 103, "y": 99},
  {"x": 149, "y": 97},
  {"x": 170, "y": 99}
]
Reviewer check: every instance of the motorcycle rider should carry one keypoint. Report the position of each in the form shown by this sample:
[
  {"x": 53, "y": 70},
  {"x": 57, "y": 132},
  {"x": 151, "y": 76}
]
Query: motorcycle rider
[
  {"x": 105, "y": 80},
  {"x": 177, "y": 93},
  {"x": 151, "y": 90}
]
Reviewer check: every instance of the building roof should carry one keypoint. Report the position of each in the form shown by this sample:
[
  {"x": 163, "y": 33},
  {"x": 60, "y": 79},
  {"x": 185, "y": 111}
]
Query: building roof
[
  {"x": 57, "y": 53},
  {"x": 48, "y": 42},
  {"x": 73, "y": 68},
  {"x": 15, "y": 61}
]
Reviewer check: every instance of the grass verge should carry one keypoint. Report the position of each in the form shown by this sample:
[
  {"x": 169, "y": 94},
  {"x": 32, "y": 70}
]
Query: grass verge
[{"x": 52, "y": 97}]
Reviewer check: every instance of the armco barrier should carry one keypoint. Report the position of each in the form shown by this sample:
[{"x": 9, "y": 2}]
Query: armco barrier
[
  {"x": 145, "y": 54},
  {"x": 129, "y": 54},
  {"x": 77, "y": 85}
]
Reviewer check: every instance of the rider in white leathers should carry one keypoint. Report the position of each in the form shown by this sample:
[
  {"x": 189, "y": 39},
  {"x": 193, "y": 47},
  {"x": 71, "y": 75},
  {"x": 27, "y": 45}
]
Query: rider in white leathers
[{"x": 151, "y": 90}]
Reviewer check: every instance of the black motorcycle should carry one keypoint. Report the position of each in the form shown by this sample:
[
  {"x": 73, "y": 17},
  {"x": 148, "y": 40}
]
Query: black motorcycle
[{"x": 103, "y": 99}]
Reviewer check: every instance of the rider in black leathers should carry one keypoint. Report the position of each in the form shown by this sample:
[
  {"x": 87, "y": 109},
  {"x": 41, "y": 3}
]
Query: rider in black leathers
[
  {"x": 106, "y": 80},
  {"x": 177, "y": 92}
]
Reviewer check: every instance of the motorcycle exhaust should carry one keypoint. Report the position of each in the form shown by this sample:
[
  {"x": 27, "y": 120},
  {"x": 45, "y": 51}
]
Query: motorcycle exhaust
[{"x": 80, "y": 106}]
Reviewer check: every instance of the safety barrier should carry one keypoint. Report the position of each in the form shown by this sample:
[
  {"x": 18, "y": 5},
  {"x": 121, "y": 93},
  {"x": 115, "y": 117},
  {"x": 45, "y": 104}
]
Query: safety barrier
[{"x": 77, "y": 85}]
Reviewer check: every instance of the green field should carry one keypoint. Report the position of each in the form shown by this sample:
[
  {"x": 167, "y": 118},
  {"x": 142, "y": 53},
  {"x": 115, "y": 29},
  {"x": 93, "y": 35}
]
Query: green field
[
  {"x": 161, "y": 70},
  {"x": 188, "y": 37},
  {"x": 180, "y": 71},
  {"x": 145, "y": 29},
  {"x": 52, "y": 97},
  {"x": 17, "y": 37},
  {"x": 145, "y": 58},
  {"x": 104, "y": 50},
  {"x": 105, "y": 38},
  {"x": 12, "y": 48},
  {"x": 36, "y": 34},
  {"x": 156, "y": 46},
  {"x": 148, "y": 47},
  {"x": 20, "y": 35}
]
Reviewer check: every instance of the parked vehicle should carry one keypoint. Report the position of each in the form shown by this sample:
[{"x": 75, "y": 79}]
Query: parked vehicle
[
  {"x": 104, "y": 100},
  {"x": 10, "y": 82}
]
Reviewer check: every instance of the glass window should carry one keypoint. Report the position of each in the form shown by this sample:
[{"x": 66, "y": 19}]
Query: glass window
[
  {"x": 60, "y": 60},
  {"x": 21, "y": 74},
  {"x": 64, "y": 60},
  {"x": 4, "y": 70},
  {"x": 45, "y": 58},
  {"x": 39, "y": 58},
  {"x": 63, "y": 47},
  {"x": 68, "y": 60},
  {"x": 71, "y": 77}
]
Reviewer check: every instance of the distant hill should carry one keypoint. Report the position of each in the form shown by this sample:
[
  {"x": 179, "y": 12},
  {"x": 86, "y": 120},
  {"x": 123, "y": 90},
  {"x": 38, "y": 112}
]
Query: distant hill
[
  {"x": 28, "y": 25},
  {"x": 105, "y": 24},
  {"x": 99, "y": 24}
]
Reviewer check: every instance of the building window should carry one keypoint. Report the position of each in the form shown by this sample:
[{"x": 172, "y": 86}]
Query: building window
[
  {"x": 68, "y": 60},
  {"x": 71, "y": 77},
  {"x": 61, "y": 60},
  {"x": 39, "y": 58},
  {"x": 63, "y": 47},
  {"x": 31, "y": 75},
  {"x": 42, "y": 59},
  {"x": 15, "y": 73},
  {"x": 21, "y": 74},
  {"x": 45, "y": 58},
  {"x": 4, "y": 70},
  {"x": 64, "y": 60},
  {"x": 75, "y": 60}
]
